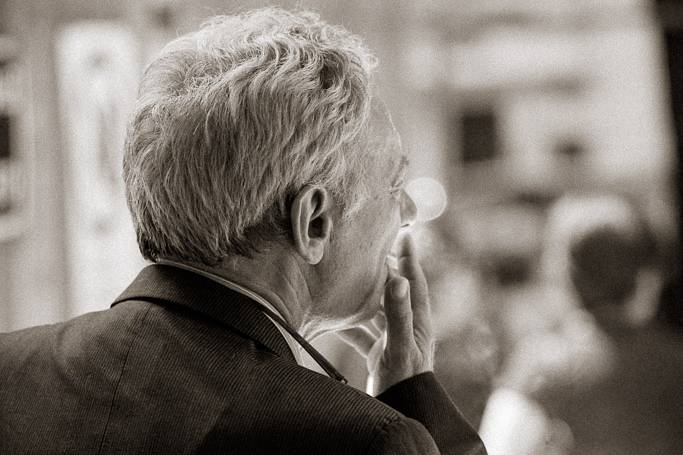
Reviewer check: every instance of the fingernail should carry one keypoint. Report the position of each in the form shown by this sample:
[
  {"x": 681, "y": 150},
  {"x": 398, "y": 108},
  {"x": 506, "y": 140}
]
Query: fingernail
[{"x": 400, "y": 289}]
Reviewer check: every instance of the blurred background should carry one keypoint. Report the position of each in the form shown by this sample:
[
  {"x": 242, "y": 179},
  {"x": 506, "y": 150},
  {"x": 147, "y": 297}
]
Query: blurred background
[{"x": 544, "y": 160}]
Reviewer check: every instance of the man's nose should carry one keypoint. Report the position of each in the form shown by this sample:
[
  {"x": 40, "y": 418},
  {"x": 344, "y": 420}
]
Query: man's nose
[{"x": 408, "y": 210}]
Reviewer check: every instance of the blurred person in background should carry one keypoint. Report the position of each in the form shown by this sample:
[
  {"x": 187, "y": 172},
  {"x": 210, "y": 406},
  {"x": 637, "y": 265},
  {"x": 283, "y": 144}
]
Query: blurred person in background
[
  {"x": 636, "y": 404},
  {"x": 264, "y": 178},
  {"x": 603, "y": 376}
]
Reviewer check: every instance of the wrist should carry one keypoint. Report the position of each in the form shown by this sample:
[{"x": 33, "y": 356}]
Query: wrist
[{"x": 381, "y": 381}]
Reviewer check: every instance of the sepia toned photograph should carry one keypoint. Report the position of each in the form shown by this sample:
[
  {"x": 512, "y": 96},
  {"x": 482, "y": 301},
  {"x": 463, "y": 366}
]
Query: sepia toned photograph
[{"x": 341, "y": 227}]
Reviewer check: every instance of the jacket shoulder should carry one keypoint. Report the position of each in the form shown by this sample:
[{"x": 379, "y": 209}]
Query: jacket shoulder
[
  {"x": 403, "y": 436},
  {"x": 301, "y": 411}
]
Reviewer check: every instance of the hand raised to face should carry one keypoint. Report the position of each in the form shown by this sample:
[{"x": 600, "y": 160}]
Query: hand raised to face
[{"x": 398, "y": 343}]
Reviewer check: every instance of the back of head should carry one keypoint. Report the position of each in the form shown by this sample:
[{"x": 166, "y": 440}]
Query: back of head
[
  {"x": 604, "y": 264},
  {"x": 232, "y": 120},
  {"x": 597, "y": 245}
]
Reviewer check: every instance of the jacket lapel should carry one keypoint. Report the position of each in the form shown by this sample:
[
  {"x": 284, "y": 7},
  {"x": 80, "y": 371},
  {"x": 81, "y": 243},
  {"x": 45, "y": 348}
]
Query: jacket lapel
[{"x": 164, "y": 284}]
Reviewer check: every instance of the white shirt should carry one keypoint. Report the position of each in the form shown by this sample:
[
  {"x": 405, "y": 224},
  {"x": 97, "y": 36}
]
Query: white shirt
[{"x": 293, "y": 345}]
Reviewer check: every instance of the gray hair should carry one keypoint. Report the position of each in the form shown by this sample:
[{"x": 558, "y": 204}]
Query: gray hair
[{"x": 233, "y": 120}]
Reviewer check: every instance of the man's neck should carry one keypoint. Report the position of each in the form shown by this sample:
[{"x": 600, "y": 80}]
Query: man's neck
[{"x": 278, "y": 279}]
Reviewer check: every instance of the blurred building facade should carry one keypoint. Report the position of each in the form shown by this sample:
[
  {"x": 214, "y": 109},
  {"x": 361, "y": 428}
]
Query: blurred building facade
[{"x": 509, "y": 104}]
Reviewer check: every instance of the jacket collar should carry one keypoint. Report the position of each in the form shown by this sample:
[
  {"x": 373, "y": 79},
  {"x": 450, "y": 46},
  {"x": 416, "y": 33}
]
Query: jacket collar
[{"x": 171, "y": 285}]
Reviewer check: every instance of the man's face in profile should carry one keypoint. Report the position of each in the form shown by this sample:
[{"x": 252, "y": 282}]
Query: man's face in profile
[{"x": 357, "y": 255}]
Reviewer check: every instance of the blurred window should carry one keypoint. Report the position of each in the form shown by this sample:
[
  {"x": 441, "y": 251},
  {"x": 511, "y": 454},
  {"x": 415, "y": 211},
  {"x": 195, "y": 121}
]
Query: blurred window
[
  {"x": 5, "y": 180},
  {"x": 479, "y": 136},
  {"x": 4, "y": 136},
  {"x": 571, "y": 148}
]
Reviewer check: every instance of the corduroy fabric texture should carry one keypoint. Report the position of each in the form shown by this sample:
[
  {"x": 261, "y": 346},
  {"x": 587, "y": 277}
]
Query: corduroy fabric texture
[{"x": 181, "y": 364}]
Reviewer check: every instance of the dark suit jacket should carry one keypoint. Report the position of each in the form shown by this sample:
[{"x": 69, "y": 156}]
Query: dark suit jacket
[{"x": 181, "y": 364}]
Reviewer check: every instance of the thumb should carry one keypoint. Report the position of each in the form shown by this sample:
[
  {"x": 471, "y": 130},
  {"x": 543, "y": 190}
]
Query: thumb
[{"x": 398, "y": 313}]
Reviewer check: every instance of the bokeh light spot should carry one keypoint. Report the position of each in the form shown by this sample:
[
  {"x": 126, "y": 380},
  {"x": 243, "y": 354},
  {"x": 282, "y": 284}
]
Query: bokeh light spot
[{"x": 429, "y": 197}]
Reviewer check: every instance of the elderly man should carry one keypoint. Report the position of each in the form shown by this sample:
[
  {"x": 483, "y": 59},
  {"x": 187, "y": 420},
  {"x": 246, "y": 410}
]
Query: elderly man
[{"x": 264, "y": 180}]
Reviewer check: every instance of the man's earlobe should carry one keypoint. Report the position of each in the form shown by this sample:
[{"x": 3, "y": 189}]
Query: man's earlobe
[{"x": 311, "y": 219}]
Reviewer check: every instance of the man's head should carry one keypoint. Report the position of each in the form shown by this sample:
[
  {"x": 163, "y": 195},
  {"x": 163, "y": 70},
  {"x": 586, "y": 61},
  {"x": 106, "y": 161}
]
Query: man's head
[
  {"x": 261, "y": 130},
  {"x": 602, "y": 243},
  {"x": 604, "y": 265},
  {"x": 233, "y": 120},
  {"x": 352, "y": 269}
]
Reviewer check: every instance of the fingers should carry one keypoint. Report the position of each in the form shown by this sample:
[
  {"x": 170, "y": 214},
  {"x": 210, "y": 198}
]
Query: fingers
[
  {"x": 399, "y": 315},
  {"x": 406, "y": 347},
  {"x": 360, "y": 338},
  {"x": 409, "y": 266},
  {"x": 408, "y": 262}
]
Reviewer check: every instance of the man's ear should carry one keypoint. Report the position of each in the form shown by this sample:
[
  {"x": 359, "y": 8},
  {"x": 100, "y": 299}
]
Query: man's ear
[{"x": 311, "y": 218}]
